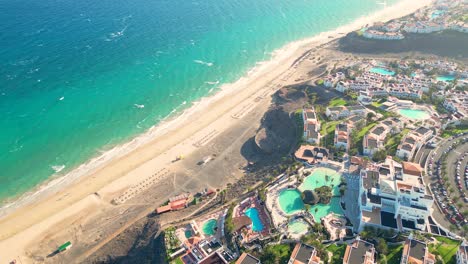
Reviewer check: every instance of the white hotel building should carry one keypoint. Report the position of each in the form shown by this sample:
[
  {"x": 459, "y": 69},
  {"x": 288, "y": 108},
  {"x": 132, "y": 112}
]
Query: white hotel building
[{"x": 392, "y": 195}]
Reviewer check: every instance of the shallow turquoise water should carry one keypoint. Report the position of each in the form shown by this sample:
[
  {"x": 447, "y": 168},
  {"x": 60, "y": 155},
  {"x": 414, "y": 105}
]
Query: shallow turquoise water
[
  {"x": 298, "y": 227},
  {"x": 290, "y": 201},
  {"x": 415, "y": 114},
  {"x": 446, "y": 78},
  {"x": 252, "y": 213},
  {"x": 209, "y": 227},
  {"x": 80, "y": 77},
  {"x": 382, "y": 71}
]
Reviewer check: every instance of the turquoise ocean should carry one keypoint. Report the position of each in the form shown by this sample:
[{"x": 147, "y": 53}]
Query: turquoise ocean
[{"x": 78, "y": 78}]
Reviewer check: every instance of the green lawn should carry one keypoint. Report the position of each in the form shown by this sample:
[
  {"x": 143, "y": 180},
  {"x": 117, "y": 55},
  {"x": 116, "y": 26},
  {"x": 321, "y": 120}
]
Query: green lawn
[
  {"x": 454, "y": 131},
  {"x": 177, "y": 261},
  {"x": 328, "y": 127},
  {"x": 366, "y": 129},
  {"x": 393, "y": 142},
  {"x": 446, "y": 248},
  {"x": 376, "y": 104},
  {"x": 337, "y": 102},
  {"x": 299, "y": 124},
  {"x": 394, "y": 254},
  {"x": 338, "y": 253}
]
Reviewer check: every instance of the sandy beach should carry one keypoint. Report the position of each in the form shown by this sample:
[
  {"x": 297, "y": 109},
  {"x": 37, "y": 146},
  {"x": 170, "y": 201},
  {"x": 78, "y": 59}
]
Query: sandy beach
[{"x": 150, "y": 159}]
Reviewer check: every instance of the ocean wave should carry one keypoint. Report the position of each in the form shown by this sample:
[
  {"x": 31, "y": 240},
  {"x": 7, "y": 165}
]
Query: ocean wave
[
  {"x": 57, "y": 168},
  {"x": 119, "y": 33},
  {"x": 139, "y": 106},
  {"x": 209, "y": 64},
  {"x": 212, "y": 83}
]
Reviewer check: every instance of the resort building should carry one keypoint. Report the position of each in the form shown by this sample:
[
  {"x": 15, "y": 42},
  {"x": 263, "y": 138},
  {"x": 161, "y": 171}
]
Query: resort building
[
  {"x": 415, "y": 251},
  {"x": 200, "y": 251},
  {"x": 341, "y": 139},
  {"x": 412, "y": 142},
  {"x": 214, "y": 258},
  {"x": 246, "y": 258},
  {"x": 176, "y": 203},
  {"x": 462, "y": 253},
  {"x": 457, "y": 103},
  {"x": 376, "y": 34},
  {"x": 311, "y": 126},
  {"x": 424, "y": 27},
  {"x": 332, "y": 80},
  {"x": 374, "y": 140},
  {"x": 393, "y": 195},
  {"x": 359, "y": 252},
  {"x": 402, "y": 90},
  {"x": 311, "y": 154},
  {"x": 304, "y": 254},
  {"x": 342, "y": 86},
  {"x": 339, "y": 112}
]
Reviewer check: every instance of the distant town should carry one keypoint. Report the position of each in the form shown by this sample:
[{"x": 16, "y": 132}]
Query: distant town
[{"x": 443, "y": 15}]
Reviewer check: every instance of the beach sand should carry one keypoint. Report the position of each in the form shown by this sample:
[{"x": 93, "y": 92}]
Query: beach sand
[{"x": 90, "y": 196}]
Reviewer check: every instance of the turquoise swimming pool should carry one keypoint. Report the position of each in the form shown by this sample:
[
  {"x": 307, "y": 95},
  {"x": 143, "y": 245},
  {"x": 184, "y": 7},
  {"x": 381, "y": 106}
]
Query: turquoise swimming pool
[
  {"x": 446, "y": 78},
  {"x": 209, "y": 227},
  {"x": 414, "y": 114},
  {"x": 437, "y": 14},
  {"x": 252, "y": 213},
  {"x": 382, "y": 71},
  {"x": 290, "y": 201},
  {"x": 298, "y": 227},
  {"x": 322, "y": 177},
  {"x": 321, "y": 210}
]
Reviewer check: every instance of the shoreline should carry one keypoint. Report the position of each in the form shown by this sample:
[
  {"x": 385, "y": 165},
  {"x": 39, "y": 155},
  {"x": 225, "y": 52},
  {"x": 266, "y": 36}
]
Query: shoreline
[
  {"x": 57, "y": 182},
  {"x": 282, "y": 60}
]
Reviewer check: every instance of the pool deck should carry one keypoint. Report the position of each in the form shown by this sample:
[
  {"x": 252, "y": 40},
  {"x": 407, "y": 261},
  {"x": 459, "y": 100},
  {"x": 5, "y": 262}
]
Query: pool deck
[{"x": 280, "y": 218}]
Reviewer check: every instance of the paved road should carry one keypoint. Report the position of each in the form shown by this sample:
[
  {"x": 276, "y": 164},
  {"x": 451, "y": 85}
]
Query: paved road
[{"x": 453, "y": 152}]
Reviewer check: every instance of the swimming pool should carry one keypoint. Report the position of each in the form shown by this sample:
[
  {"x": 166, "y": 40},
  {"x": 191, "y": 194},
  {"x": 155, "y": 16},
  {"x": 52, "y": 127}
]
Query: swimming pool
[
  {"x": 445, "y": 78},
  {"x": 209, "y": 227},
  {"x": 290, "y": 201},
  {"x": 298, "y": 227},
  {"x": 321, "y": 210},
  {"x": 381, "y": 71},
  {"x": 252, "y": 213},
  {"x": 415, "y": 114},
  {"x": 437, "y": 14},
  {"x": 322, "y": 177}
]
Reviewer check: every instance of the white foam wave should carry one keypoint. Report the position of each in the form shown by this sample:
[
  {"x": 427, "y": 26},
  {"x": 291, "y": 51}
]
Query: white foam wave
[
  {"x": 212, "y": 83},
  {"x": 139, "y": 105},
  {"x": 209, "y": 64},
  {"x": 58, "y": 168},
  {"x": 118, "y": 34}
]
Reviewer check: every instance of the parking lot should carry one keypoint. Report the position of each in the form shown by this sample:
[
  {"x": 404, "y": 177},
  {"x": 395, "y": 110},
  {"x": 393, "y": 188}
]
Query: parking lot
[{"x": 447, "y": 177}]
